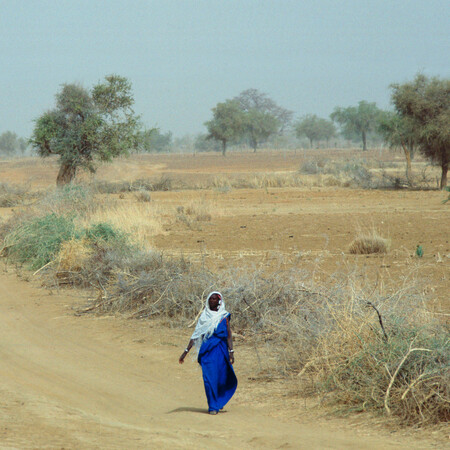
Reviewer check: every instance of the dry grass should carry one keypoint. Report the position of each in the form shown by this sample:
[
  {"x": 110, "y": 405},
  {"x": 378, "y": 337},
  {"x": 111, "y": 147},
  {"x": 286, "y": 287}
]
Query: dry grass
[
  {"x": 330, "y": 336},
  {"x": 141, "y": 221},
  {"x": 399, "y": 366},
  {"x": 73, "y": 255},
  {"x": 197, "y": 211},
  {"x": 201, "y": 210},
  {"x": 163, "y": 183},
  {"x": 13, "y": 195},
  {"x": 368, "y": 242},
  {"x": 143, "y": 196}
]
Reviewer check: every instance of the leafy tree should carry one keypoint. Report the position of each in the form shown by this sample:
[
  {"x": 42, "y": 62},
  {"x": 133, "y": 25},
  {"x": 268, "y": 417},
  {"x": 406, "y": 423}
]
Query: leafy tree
[
  {"x": 315, "y": 128},
  {"x": 252, "y": 99},
  {"x": 154, "y": 141},
  {"x": 87, "y": 126},
  {"x": 258, "y": 126},
  {"x": 360, "y": 120},
  {"x": 10, "y": 143},
  {"x": 426, "y": 103},
  {"x": 399, "y": 132},
  {"x": 227, "y": 124}
]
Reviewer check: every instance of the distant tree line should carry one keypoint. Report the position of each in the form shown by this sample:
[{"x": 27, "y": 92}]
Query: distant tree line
[
  {"x": 88, "y": 126},
  {"x": 420, "y": 120},
  {"x": 11, "y": 144},
  {"x": 251, "y": 117}
]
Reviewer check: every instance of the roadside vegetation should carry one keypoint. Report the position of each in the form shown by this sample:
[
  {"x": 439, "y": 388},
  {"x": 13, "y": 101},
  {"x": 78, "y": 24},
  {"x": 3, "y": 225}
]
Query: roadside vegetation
[{"x": 360, "y": 347}]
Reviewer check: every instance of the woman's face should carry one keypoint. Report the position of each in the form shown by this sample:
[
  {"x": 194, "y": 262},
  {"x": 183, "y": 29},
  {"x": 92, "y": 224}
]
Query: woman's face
[{"x": 214, "y": 302}]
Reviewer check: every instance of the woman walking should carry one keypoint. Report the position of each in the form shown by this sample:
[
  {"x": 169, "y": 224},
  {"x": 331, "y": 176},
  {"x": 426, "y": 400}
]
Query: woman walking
[{"x": 213, "y": 337}]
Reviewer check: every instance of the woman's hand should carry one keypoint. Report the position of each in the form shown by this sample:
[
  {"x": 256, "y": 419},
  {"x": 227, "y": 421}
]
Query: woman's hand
[
  {"x": 183, "y": 355},
  {"x": 232, "y": 357},
  {"x": 186, "y": 351}
]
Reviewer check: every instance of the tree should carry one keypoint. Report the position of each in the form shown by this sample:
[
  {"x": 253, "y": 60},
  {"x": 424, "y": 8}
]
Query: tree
[
  {"x": 426, "y": 103},
  {"x": 10, "y": 143},
  {"x": 399, "y": 132},
  {"x": 153, "y": 140},
  {"x": 360, "y": 120},
  {"x": 227, "y": 124},
  {"x": 87, "y": 126},
  {"x": 263, "y": 117},
  {"x": 315, "y": 128},
  {"x": 252, "y": 99},
  {"x": 258, "y": 126}
]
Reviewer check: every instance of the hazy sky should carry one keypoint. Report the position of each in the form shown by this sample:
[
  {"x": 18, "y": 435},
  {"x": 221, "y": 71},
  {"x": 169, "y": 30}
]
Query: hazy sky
[{"x": 183, "y": 57}]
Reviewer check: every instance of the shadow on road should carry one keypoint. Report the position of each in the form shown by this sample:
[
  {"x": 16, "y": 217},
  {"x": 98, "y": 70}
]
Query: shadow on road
[{"x": 189, "y": 409}]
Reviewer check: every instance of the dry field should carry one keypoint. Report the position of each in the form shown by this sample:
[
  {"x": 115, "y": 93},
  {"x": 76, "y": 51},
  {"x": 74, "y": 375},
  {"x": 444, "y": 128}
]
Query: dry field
[
  {"x": 244, "y": 211},
  {"x": 208, "y": 217}
]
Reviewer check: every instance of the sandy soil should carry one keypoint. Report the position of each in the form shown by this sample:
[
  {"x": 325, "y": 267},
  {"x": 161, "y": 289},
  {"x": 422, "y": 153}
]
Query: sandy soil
[
  {"x": 313, "y": 229},
  {"x": 93, "y": 382}
]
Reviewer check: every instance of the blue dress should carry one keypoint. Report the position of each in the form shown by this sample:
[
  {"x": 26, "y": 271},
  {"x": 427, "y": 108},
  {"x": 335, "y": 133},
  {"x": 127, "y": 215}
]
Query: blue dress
[{"x": 218, "y": 374}]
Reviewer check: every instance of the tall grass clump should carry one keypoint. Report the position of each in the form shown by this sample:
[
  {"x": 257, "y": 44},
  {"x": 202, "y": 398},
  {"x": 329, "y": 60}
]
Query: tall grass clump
[
  {"x": 369, "y": 242},
  {"x": 37, "y": 241},
  {"x": 140, "y": 220}
]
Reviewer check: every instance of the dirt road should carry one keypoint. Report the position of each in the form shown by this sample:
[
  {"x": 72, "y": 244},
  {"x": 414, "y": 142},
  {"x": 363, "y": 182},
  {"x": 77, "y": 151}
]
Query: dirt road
[{"x": 90, "y": 382}]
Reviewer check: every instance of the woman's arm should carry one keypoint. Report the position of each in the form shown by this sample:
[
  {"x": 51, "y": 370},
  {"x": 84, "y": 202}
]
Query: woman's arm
[
  {"x": 230, "y": 342},
  {"x": 186, "y": 351}
]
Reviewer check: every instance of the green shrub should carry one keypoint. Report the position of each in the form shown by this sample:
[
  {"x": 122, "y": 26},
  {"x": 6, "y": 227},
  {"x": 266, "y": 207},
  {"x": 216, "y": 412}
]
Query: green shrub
[
  {"x": 37, "y": 240},
  {"x": 104, "y": 232}
]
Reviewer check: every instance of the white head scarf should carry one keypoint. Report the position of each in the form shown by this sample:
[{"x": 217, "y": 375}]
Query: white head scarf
[{"x": 209, "y": 320}]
